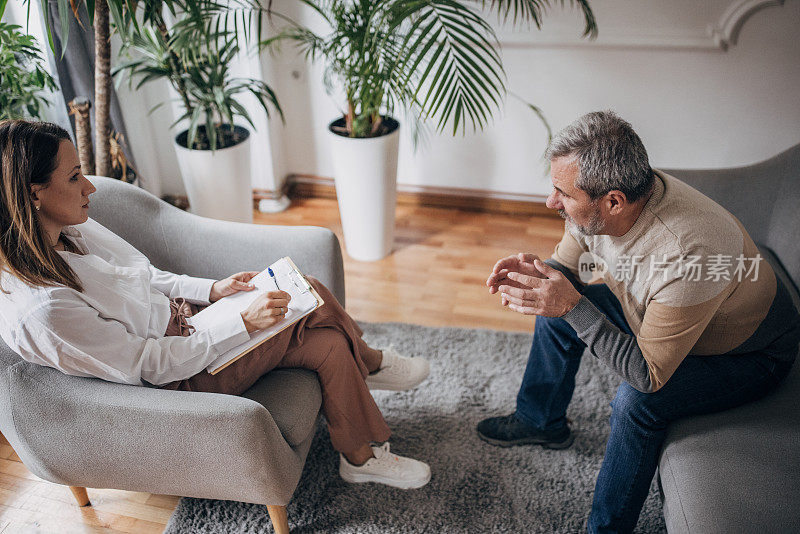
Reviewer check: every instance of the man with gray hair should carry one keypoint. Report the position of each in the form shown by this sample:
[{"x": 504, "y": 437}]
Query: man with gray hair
[{"x": 687, "y": 315}]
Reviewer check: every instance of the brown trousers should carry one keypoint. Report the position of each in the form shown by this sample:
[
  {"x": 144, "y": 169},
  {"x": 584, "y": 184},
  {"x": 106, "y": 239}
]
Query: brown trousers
[{"x": 328, "y": 342}]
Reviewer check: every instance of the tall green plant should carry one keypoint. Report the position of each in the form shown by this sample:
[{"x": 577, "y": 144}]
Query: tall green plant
[
  {"x": 439, "y": 59},
  {"x": 23, "y": 78},
  {"x": 194, "y": 54}
]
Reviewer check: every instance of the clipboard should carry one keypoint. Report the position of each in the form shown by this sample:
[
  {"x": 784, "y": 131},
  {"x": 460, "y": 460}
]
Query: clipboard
[{"x": 305, "y": 300}]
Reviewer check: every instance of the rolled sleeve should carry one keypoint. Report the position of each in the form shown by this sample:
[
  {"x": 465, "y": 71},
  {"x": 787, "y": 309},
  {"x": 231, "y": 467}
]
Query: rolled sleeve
[
  {"x": 194, "y": 290},
  {"x": 228, "y": 333}
]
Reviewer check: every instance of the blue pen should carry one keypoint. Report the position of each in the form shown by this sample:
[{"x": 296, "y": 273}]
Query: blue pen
[{"x": 269, "y": 270}]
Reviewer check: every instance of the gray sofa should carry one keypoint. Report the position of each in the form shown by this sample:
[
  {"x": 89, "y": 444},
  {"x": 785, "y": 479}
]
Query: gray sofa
[
  {"x": 739, "y": 471},
  {"x": 85, "y": 432}
]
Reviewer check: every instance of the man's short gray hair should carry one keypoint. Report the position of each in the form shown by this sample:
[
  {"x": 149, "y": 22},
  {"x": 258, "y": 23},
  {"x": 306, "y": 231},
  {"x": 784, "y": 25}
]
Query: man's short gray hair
[{"x": 610, "y": 155}]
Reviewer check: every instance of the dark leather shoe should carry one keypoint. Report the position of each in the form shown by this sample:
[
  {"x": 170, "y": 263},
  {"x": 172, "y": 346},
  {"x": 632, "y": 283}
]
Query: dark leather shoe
[{"x": 507, "y": 431}]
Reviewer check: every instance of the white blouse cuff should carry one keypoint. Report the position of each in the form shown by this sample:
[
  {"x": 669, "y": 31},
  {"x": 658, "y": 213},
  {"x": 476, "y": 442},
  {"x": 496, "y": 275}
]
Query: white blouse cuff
[
  {"x": 228, "y": 333},
  {"x": 195, "y": 290}
]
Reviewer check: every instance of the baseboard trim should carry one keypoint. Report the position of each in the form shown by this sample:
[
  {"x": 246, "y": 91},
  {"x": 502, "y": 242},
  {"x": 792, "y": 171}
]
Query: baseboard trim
[
  {"x": 267, "y": 194},
  {"x": 311, "y": 186}
]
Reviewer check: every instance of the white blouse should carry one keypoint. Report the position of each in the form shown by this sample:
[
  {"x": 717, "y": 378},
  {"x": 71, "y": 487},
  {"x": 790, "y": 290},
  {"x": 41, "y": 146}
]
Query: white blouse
[{"x": 115, "y": 328}]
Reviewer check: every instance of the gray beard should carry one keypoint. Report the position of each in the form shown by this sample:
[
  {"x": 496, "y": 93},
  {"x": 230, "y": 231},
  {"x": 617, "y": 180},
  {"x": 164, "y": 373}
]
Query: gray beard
[{"x": 594, "y": 227}]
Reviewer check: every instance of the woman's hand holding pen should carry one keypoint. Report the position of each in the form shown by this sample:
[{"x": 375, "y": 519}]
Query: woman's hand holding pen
[
  {"x": 233, "y": 284},
  {"x": 266, "y": 310}
]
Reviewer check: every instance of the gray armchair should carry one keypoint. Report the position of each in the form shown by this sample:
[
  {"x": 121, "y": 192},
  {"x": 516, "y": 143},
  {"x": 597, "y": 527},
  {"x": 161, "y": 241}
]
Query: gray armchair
[
  {"x": 739, "y": 470},
  {"x": 85, "y": 432}
]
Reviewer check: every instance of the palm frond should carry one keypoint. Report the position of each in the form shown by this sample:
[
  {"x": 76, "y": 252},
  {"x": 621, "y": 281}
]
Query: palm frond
[
  {"x": 534, "y": 10},
  {"x": 450, "y": 55}
]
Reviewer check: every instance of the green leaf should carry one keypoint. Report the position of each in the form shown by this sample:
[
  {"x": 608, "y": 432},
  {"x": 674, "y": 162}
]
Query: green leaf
[
  {"x": 64, "y": 13},
  {"x": 193, "y": 124},
  {"x": 211, "y": 130},
  {"x": 539, "y": 113},
  {"x": 90, "y": 9},
  {"x": 50, "y": 41},
  {"x": 242, "y": 112}
]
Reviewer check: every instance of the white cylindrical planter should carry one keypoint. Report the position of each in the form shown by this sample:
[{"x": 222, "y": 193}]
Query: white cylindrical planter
[
  {"x": 218, "y": 182},
  {"x": 365, "y": 174}
]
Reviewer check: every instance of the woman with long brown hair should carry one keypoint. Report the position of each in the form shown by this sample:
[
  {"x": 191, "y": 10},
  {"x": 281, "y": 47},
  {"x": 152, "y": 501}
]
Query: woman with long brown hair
[{"x": 78, "y": 298}]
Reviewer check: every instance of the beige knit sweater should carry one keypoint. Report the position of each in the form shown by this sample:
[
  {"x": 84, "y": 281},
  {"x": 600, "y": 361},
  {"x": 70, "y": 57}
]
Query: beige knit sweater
[{"x": 690, "y": 281}]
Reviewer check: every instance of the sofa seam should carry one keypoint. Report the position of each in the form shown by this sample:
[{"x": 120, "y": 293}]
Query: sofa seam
[
  {"x": 164, "y": 234},
  {"x": 677, "y": 492}
]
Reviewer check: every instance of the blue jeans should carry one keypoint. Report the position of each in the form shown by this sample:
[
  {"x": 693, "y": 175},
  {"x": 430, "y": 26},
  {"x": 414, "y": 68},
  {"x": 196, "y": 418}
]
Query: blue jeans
[{"x": 701, "y": 384}]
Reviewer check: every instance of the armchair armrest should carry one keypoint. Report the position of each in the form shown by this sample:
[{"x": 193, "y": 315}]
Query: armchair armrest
[
  {"x": 188, "y": 244},
  {"x": 88, "y": 432}
]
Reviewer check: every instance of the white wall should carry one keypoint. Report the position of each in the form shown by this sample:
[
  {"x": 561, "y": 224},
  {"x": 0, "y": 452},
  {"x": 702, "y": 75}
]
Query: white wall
[{"x": 693, "y": 104}]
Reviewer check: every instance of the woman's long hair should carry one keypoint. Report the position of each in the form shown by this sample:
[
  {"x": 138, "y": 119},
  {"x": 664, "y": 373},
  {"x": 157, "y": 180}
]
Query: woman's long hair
[{"x": 29, "y": 155}]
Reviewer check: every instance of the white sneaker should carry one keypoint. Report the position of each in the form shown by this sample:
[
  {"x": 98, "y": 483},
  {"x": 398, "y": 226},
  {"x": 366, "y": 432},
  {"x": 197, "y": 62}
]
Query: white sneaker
[
  {"x": 398, "y": 373},
  {"x": 386, "y": 468}
]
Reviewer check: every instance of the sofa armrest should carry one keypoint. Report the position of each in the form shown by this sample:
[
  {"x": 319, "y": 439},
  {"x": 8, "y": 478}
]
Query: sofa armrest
[{"x": 92, "y": 433}]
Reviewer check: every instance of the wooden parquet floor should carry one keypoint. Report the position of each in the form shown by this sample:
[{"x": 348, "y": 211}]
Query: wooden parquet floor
[{"x": 434, "y": 277}]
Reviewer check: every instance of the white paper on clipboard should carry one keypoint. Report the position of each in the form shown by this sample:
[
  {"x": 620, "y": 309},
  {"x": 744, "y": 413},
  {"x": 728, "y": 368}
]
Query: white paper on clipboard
[{"x": 304, "y": 300}]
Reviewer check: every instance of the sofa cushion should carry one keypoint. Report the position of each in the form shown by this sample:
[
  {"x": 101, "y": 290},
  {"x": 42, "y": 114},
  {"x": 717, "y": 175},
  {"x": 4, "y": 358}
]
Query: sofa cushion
[
  {"x": 781, "y": 274},
  {"x": 737, "y": 470},
  {"x": 293, "y": 398}
]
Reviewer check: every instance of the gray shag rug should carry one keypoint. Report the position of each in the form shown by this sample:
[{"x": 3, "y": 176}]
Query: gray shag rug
[{"x": 475, "y": 487}]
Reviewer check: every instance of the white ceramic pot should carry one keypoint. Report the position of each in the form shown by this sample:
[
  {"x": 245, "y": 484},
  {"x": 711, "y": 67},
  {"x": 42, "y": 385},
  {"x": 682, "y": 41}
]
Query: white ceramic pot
[
  {"x": 365, "y": 174},
  {"x": 218, "y": 183}
]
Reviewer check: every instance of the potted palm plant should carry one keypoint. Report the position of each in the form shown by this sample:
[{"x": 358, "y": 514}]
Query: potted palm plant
[
  {"x": 436, "y": 59},
  {"x": 194, "y": 54},
  {"x": 23, "y": 79},
  {"x": 125, "y": 13}
]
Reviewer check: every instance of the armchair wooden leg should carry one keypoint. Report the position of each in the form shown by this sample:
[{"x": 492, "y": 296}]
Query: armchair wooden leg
[
  {"x": 80, "y": 495},
  {"x": 279, "y": 520}
]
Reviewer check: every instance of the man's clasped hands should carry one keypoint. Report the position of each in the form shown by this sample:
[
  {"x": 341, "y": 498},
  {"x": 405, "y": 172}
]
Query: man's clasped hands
[{"x": 529, "y": 286}]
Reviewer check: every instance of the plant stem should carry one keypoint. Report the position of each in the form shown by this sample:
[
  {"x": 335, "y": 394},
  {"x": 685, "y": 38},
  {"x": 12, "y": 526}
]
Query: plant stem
[
  {"x": 79, "y": 107},
  {"x": 102, "y": 88},
  {"x": 351, "y": 113},
  {"x": 175, "y": 65},
  {"x": 377, "y": 120}
]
